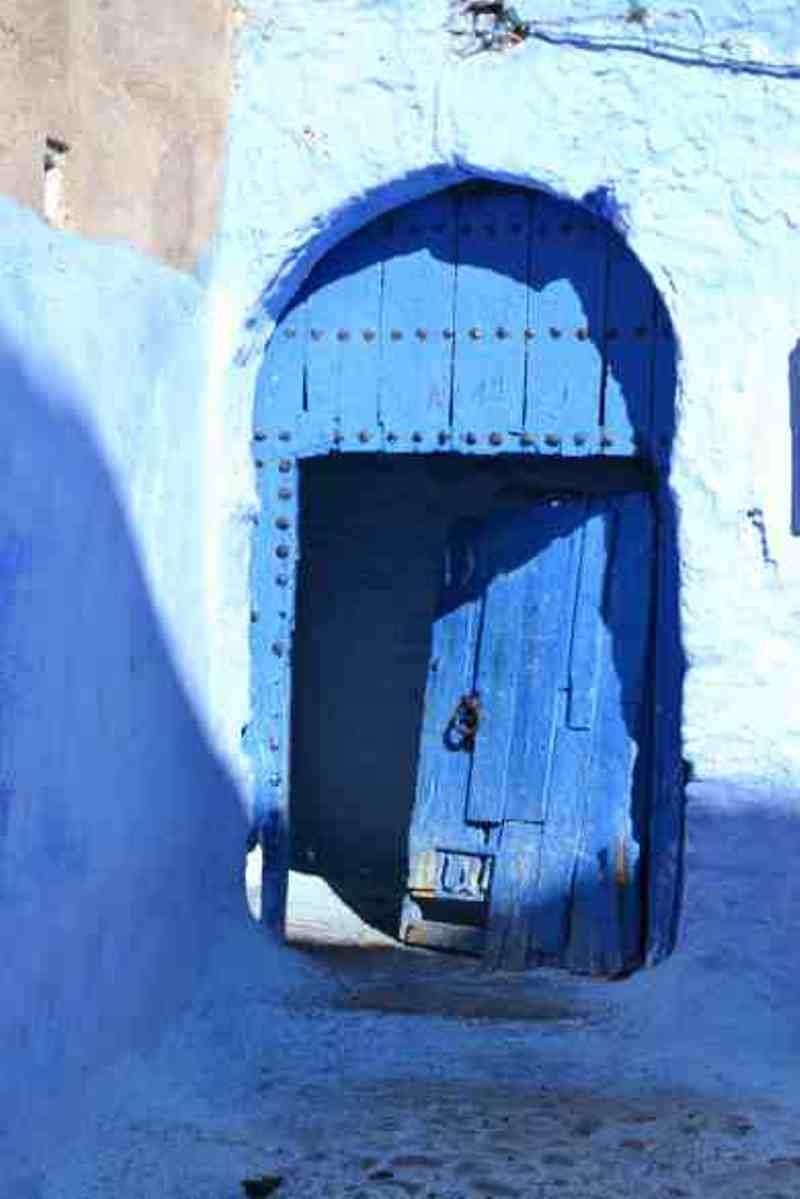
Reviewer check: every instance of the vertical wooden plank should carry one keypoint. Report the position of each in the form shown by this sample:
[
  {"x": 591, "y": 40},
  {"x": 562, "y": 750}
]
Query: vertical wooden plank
[
  {"x": 665, "y": 841},
  {"x": 564, "y": 382},
  {"x": 280, "y": 384},
  {"x": 417, "y": 325},
  {"x": 665, "y": 847},
  {"x": 632, "y": 575},
  {"x": 513, "y": 903},
  {"x": 570, "y": 761},
  {"x": 606, "y": 916},
  {"x": 606, "y": 930},
  {"x": 490, "y": 315},
  {"x": 593, "y": 945},
  {"x": 561, "y": 837},
  {"x": 587, "y": 626},
  {"x": 343, "y": 346},
  {"x": 629, "y": 343},
  {"x": 521, "y": 658},
  {"x": 444, "y": 767},
  {"x": 273, "y": 574}
]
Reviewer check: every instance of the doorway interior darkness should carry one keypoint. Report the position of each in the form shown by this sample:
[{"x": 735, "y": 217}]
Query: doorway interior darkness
[{"x": 373, "y": 532}]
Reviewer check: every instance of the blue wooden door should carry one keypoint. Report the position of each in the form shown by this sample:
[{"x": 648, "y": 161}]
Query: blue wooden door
[
  {"x": 488, "y": 321},
  {"x": 527, "y": 833}
]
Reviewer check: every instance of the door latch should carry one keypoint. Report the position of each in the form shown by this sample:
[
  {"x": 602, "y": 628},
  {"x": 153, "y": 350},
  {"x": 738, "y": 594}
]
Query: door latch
[{"x": 462, "y": 728}]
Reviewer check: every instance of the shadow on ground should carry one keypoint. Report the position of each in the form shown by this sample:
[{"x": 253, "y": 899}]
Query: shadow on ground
[{"x": 420, "y": 983}]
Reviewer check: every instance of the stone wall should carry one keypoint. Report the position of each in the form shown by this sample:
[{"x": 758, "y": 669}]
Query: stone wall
[{"x": 138, "y": 92}]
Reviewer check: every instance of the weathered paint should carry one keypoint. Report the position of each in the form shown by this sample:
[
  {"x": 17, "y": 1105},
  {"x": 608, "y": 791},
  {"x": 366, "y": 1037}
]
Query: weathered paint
[
  {"x": 556, "y": 598},
  {"x": 649, "y": 140},
  {"x": 482, "y": 319},
  {"x": 372, "y": 532},
  {"x": 110, "y": 793},
  {"x": 688, "y": 136},
  {"x": 550, "y": 331}
]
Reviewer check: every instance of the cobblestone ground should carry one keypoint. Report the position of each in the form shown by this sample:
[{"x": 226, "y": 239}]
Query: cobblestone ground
[
  {"x": 490, "y": 1141},
  {"x": 389, "y": 1073}
]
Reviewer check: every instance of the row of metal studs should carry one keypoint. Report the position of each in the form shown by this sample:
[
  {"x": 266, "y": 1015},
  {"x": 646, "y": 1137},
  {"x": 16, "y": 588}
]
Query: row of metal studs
[
  {"x": 282, "y": 551},
  {"x": 470, "y": 438},
  {"x": 475, "y": 333},
  {"x": 283, "y": 524}
]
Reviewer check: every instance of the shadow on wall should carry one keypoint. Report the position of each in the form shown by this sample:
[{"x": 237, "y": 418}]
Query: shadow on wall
[
  {"x": 120, "y": 834},
  {"x": 794, "y": 420}
]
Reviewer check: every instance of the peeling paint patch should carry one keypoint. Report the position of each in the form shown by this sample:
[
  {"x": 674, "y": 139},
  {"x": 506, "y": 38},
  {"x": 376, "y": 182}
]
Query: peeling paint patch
[{"x": 603, "y": 200}]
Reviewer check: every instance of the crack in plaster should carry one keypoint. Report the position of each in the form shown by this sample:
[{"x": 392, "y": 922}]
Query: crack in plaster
[{"x": 667, "y": 52}]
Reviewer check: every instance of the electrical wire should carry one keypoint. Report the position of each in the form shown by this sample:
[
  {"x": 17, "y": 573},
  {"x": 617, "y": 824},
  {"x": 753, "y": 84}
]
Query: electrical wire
[{"x": 509, "y": 30}]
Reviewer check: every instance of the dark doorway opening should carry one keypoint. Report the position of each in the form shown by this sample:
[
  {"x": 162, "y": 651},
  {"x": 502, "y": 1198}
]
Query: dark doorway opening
[{"x": 372, "y": 534}]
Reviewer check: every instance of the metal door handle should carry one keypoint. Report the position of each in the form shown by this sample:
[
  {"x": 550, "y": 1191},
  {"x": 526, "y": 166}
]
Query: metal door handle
[{"x": 462, "y": 728}]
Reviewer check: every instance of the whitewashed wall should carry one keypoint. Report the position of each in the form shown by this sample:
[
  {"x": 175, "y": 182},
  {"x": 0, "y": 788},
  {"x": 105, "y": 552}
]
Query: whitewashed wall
[{"x": 692, "y": 123}]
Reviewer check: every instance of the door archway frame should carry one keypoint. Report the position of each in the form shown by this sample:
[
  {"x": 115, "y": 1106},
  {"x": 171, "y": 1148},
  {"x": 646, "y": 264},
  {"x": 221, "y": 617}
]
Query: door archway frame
[{"x": 665, "y": 885}]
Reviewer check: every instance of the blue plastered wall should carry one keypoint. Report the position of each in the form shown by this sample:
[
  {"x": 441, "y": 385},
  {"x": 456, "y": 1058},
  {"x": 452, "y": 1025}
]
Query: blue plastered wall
[
  {"x": 121, "y": 833},
  {"x": 126, "y": 490},
  {"x": 680, "y": 126},
  {"x": 684, "y": 131}
]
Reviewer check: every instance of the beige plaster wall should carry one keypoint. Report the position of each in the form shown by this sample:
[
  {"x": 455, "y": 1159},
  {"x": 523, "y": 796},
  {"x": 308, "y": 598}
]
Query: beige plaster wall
[{"x": 139, "y": 89}]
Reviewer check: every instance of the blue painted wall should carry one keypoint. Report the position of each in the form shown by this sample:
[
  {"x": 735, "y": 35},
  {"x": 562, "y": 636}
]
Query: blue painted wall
[
  {"x": 110, "y": 795},
  {"x": 127, "y": 493},
  {"x": 371, "y": 106}
]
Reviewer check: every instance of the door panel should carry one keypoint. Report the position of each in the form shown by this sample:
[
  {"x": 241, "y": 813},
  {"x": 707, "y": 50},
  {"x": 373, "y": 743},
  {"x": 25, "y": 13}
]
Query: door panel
[
  {"x": 524, "y": 633},
  {"x": 443, "y": 772},
  {"x": 606, "y": 906},
  {"x": 484, "y": 319},
  {"x": 569, "y": 253},
  {"x": 418, "y": 286},
  {"x": 545, "y": 621},
  {"x": 490, "y": 311},
  {"x": 342, "y": 371},
  {"x": 514, "y": 898}
]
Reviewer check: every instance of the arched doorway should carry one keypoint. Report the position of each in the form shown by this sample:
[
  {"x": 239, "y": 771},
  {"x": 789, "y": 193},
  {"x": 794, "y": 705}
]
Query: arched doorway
[{"x": 466, "y": 572}]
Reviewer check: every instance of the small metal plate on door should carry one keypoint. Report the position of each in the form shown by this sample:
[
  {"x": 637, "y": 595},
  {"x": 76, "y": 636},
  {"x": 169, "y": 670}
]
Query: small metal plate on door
[{"x": 453, "y": 874}]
